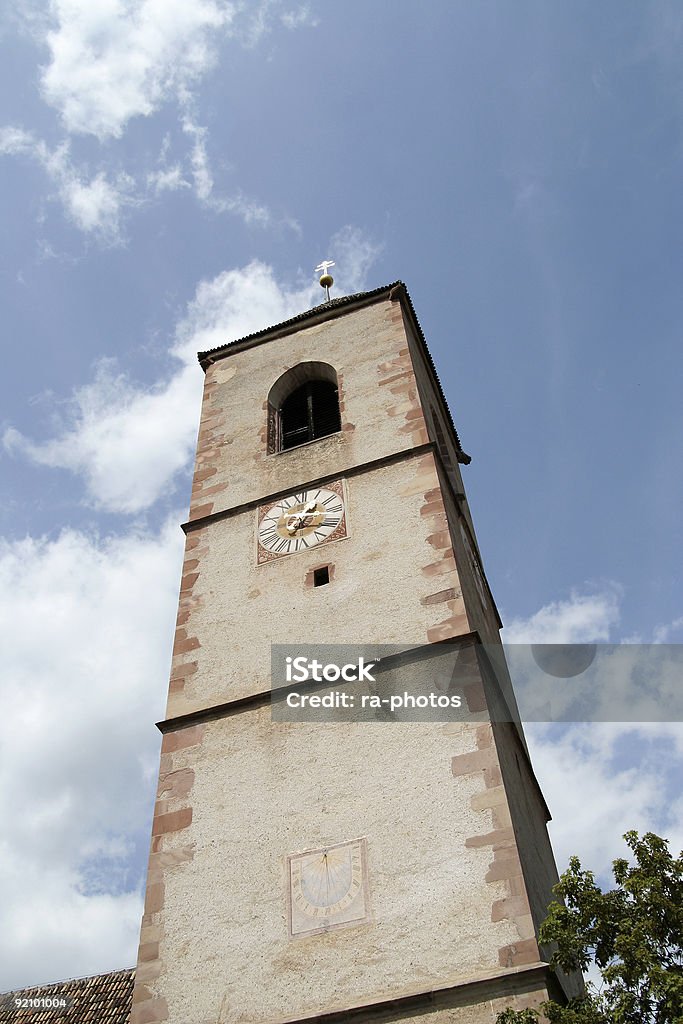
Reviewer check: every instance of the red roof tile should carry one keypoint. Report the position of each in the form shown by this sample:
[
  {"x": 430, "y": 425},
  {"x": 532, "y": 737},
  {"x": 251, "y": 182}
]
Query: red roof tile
[{"x": 102, "y": 999}]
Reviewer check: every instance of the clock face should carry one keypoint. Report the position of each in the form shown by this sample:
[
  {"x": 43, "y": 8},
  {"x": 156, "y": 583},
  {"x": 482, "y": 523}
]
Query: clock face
[
  {"x": 301, "y": 521},
  {"x": 328, "y": 888}
]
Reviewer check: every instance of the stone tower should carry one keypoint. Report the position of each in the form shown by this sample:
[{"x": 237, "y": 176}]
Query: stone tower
[{"x": 328, "y": 507}]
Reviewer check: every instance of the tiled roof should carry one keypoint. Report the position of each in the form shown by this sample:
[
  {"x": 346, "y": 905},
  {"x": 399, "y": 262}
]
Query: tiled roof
[
  {"x": 102, "y": 999},
  {"x": 318, "y": 312}
]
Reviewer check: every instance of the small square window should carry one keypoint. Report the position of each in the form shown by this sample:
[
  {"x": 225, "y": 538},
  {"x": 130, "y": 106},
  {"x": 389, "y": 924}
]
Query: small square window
[{"x": 321, "y": 577}]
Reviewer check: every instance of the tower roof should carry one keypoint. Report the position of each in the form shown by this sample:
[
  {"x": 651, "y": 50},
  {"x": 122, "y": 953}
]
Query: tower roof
[{"x": 327, "y": 311}]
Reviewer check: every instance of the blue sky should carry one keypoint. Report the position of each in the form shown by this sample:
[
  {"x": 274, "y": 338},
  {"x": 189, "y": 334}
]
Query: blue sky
[{"x": 171, "y": 174}]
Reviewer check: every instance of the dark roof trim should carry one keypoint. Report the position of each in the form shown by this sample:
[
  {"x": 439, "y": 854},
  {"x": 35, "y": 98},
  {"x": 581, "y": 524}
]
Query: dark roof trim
[{"x": 328, "y": 310}]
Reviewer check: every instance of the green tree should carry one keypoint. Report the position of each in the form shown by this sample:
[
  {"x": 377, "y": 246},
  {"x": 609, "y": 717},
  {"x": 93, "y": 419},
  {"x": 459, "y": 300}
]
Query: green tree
[{"x": 633, "y": 933}]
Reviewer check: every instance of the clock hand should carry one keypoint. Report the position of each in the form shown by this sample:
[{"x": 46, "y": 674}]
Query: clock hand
[
  {"x": 298, "y": 519},
  {"x": 293, "y": 523}
]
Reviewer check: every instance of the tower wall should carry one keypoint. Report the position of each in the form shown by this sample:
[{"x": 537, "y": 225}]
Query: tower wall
[{"x": 452, "y": 822}]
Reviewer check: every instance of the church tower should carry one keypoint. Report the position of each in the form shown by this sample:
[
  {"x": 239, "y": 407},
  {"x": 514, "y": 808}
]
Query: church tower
[{"x": 340, "y": 870}]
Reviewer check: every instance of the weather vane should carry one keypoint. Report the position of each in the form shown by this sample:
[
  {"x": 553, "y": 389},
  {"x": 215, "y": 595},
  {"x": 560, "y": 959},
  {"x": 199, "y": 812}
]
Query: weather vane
[{"x": 326, "y": 280}]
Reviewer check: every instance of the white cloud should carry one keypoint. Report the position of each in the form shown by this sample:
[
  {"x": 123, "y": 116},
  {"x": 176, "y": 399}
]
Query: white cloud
[
  {"x": 250, "y": 210},
  {"x": 582, "y": 618},
  {"x": 663, "y": 634},
  {"x": 92, "y": 204},
  {"x": 168, "y": 180},
  {"x": 95, "y": 205},
  {"x": 14, "y": 140},
  {"x": 595, "y": 794},
  {"x": 201, "y": 171},
  {"x": 85, "y": 641},
  {"x": 300, "y": 17},
  {"x": 128, "y": 443},
  {"x": 114, "y": 60}
]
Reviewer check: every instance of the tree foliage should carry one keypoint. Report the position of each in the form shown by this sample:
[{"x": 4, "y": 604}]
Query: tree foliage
[{"x": 633, "y": 933}]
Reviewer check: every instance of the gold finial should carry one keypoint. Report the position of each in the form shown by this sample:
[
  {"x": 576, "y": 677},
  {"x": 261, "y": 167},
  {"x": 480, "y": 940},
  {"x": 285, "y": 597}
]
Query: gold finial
[{"x": 326, "y": 280}]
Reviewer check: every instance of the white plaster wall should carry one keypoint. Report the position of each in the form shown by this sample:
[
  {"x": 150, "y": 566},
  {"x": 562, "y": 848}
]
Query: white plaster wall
[{"x": 263, "y": 790}]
